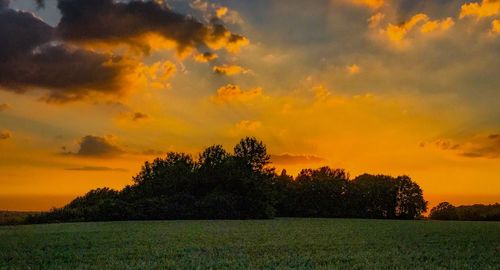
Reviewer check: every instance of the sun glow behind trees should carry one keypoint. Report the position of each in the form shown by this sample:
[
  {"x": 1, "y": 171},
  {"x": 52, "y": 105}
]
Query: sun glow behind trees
[{"x": 383, "y": 87}]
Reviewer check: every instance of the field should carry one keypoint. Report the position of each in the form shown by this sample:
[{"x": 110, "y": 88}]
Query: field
[{"x": 270, "y": 244}]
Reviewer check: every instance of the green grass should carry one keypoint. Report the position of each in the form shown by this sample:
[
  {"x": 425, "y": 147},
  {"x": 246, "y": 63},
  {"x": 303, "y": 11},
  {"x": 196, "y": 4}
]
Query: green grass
[{"x": 269, "y": 244}]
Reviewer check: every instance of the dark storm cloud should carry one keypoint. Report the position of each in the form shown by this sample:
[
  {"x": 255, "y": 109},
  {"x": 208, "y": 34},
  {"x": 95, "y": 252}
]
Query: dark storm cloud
[
  {"x": 4, "y": 4},
  {"x": 30, "y": 58},
  {"x": 69, "y": 74},
  {"x": 110, "y": 21},
  {"x": 37, "y": 56},
  {"x": 95, "y": 146},
  {"x": 40, "y": 3},
  {"x": 20, "y": 33}
]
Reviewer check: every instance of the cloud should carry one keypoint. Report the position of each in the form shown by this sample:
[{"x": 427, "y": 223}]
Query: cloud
[
  {"x": 321, "y": 93},
  {"x": 229, "y": 70},
  {"x": 157, "y": 75},
  {"x": 96, "y": 169},
  {"x": 95, "y": 146},
  {"x": 495, "y": 27},
  {"x": 134, "y": 116},
  {"x": 446, "y": 144},
  {"x": 128, "y": 22},
  {"x": 374, "y": 4},
  {"x": 227, "y": 15},
  {"x": 4, "y": 4},
  {"x": 486, "y": 8},
  {"x": 30, "y": 59},
  {"x": 4, "y": 106},
  {"x": 137, "y": 116},
  {"x": 153, "y": 152},
  {"x": 199, "y": 5},
  {"x": 5, "y": 135},
  {"x": 397, "y": 33},
  {"x": 480, "y": 146},
  {"x": 289, "y": 159},
  {"x": 21, "y": 32},
  {"x": 215, "y": 12},
  {"x": 205, "y": 57},
  {"x": 221, "y": 12},
  {"x": 431, "y": 26},
  {"x": 353, "y": 69},
  {"x": 232, "y": 17},
  {"x": 485, "y": 147},
  {"x": 233, "y": 93},
  {"x": 248, "y": 125},
  {"x": 65, "y": 73},
  {"x": 40, "y": 3},
  {"x": 375, "y": 20},
  {"x": 79, "y": 58}
]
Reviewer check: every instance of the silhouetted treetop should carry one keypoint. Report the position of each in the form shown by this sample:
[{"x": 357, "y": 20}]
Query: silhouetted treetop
[
  {"x": 213, "y": 156},
  {"x": 447, "y": 211},
  {"x": 241, "y": 185},
  {"x": 253, "y": 152}
]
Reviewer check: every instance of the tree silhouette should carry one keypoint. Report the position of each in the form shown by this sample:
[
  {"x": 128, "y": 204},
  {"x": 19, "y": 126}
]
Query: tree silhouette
[
  {"x": 409, "y": 198},
  {"x": 444, "y": 211},
  {"x": 242, "y": 185},
  {"x": 253, "y": 152},
  {"x": 321, "y": 192}
]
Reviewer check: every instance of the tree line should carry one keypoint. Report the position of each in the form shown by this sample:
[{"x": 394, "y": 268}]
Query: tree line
[
  {"x": 447, "y": 211},
  {"x": 242, "y": 185}
]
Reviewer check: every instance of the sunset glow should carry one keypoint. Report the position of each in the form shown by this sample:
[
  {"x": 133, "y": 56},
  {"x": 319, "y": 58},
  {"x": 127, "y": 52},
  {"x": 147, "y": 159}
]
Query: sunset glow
[{"x": 382, "y": 87}]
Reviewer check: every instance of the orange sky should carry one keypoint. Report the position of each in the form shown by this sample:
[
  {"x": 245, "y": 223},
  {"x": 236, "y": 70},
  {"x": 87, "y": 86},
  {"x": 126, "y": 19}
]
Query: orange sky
[{"x": 390, "y": 87}]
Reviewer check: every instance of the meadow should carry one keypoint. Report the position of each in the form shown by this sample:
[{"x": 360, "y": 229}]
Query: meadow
[{"x": 282, "y": 243}]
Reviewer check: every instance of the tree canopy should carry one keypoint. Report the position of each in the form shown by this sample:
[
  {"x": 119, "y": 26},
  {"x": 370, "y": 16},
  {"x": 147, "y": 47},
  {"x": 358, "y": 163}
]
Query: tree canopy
[
  {"x": 447, "y": 211},
  {"x": 242, "y": 185}
]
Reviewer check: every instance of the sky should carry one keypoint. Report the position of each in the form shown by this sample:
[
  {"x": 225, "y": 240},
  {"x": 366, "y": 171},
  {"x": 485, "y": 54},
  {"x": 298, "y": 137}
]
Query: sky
[{"x": 90, "y": 89}]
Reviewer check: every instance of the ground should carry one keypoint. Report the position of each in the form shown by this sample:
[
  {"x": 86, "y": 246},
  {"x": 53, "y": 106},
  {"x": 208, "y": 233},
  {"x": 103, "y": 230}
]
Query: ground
[{"x": 265, "y": 244}]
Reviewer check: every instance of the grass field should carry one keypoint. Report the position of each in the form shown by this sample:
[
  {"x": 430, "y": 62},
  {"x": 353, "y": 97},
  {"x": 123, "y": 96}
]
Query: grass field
[{"x": 269, "y": 244}]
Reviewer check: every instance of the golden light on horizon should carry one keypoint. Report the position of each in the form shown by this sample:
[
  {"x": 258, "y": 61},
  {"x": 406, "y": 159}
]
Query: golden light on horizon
[{"x": 369, "y": 86}]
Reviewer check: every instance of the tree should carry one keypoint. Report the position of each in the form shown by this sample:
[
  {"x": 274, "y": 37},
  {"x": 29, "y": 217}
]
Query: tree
[
  {"x": 217, "y": 185},
  {"x": 241, "y": 185},
  {"x": 410, "y": 199},
  {"x": 165, "y": 176},
  {"x": 211, "y": 170},
  {"x": 321, "y": 192},
  {"x": 479, "y": 212},
  {"x": 102, "y": 204},
  {"x": 444, "y": 211},
  {"x": 213, "y": 156},
  {"x": 284, "y": 188},
  {"x": 253, "y": 152},
  {"x": 373, "y": 196}
]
